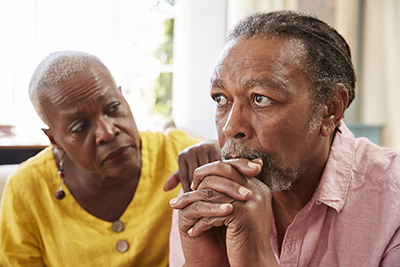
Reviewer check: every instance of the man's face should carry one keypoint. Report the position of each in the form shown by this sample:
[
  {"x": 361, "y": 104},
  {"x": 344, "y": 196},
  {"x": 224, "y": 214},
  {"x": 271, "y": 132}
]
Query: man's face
[
  {"x": 91, "y": 121},
  {"x": 264, "y": 107}
]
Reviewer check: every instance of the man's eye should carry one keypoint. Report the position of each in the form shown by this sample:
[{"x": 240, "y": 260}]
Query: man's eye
[
  {"x": 220, "y": 99},
  {"x": 261, "y": 101}
]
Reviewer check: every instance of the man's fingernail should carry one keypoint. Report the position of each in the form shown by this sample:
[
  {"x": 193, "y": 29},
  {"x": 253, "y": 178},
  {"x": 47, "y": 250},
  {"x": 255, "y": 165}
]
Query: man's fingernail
[
  {"x": 258, "y": 160},
  {"x": 223, "y": 206},
  {"x": 243, "y": 191},
  {"x": 190, "y": 231},
  {"x": 253, "y": 165},
  {"x": 191, "y": 185},
  {"x": 173, "y": 201}
]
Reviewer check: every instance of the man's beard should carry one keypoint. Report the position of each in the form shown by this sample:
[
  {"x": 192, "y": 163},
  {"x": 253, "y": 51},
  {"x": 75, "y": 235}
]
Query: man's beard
[{"x": 270, "y": 175}]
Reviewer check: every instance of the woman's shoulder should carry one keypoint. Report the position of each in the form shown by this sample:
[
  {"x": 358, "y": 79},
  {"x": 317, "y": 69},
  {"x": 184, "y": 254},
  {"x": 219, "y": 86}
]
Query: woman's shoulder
[
  {"x": 171, "y": 138},
  {"x": 34, "y": 168}
]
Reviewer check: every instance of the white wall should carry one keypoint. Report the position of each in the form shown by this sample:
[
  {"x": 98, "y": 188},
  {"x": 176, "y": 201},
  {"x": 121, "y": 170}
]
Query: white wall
[{"x": 200, "y": 30}]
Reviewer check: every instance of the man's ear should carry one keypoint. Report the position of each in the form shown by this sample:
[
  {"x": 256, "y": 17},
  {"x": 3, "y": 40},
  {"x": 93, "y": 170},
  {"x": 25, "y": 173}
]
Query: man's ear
[{"x": 334, "y": 109}]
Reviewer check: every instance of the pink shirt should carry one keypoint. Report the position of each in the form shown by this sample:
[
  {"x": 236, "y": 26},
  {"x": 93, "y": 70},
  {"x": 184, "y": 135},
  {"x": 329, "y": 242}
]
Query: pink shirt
[{"x": 353, "y": 219}]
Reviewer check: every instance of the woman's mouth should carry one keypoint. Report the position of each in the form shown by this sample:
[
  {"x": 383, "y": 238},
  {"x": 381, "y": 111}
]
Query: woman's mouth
[{"x": 117, "y": 154}]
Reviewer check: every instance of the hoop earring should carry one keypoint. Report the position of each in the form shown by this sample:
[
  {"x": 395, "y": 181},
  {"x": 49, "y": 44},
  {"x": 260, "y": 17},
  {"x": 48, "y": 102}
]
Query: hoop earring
[{"x": 60, "y": 194}]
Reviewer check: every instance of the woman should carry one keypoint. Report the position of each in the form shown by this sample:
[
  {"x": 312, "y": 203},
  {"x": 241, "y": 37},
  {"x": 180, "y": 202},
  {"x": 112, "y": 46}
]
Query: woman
[{"x": 95, "y": 196}]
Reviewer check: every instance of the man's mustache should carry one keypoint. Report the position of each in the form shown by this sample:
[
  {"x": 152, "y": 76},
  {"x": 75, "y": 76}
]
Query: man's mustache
[
  {"x": 270, "y": 175},
  {"x": 237, "y": 149}
]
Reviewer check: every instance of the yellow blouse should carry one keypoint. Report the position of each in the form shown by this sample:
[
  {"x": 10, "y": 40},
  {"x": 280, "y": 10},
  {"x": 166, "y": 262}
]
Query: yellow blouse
[{"x": 39, "y": 230}]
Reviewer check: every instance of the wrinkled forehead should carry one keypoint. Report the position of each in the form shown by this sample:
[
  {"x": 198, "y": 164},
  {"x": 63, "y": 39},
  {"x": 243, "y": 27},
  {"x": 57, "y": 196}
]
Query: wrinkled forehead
[
  {"x": 275, "y": 52},
  {"x": 95, "y": 80}
]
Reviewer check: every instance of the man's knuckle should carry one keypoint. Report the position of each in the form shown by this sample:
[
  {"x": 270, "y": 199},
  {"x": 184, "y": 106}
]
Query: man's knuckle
[
  {"x": 205, "y": 221},
  {"x": 196, "y": 206},
  {"x": 208, "y": 193},
  {"x": 206, "y": 182},
  {"x": 196, "y": 171},
  {"x": 258, "y": 198},
  {"x": 184, "y": 197}
]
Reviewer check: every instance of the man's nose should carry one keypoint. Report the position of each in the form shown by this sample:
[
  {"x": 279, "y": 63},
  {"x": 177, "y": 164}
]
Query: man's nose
[
  {"x": 106, "y": 131},
  {"x": 238, "y": 123}
]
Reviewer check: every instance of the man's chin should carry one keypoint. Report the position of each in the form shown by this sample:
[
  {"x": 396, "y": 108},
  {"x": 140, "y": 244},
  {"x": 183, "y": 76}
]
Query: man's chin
[{"x": 275, "y": 180}]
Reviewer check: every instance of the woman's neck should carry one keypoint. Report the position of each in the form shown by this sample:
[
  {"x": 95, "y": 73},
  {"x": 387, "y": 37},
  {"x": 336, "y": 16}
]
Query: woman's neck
[{"x": 102, "y": 196}]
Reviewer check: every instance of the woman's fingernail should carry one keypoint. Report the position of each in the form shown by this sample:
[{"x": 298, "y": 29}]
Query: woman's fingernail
[
  {"x": 190, "y": 231},
  {"x": 192, "y": 186},
  {"x": 173, "y": 201},
  {"x": 223, "y": 206},
  {"x": 243, "y": 191}
]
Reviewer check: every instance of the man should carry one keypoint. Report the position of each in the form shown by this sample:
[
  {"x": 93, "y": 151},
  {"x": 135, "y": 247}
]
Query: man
[{"x": 294, "y": 188}]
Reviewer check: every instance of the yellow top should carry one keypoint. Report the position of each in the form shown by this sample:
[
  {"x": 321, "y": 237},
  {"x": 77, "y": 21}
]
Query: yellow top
[{"x": 39, "y": 230}]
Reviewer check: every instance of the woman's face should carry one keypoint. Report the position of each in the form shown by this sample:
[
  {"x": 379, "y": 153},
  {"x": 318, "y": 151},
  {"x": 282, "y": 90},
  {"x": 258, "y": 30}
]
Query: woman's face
[{"x": 92, "y": 123}]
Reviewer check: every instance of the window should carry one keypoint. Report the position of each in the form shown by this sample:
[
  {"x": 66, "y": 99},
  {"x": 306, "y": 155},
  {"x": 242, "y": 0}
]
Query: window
[{"x": 132, "y": 37}]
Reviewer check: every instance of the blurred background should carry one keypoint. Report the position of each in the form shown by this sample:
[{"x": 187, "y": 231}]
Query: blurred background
[{"x": 162, "y": 52}]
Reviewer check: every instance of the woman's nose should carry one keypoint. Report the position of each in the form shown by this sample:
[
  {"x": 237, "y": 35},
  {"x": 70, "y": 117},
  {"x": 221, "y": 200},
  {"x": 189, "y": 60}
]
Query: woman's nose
[{"x": 106, "y": 131}]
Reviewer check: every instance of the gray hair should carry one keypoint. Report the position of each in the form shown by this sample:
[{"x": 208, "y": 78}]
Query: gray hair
[
  {"x": 327, "y": 54},
  {"x": 56, "y": 68}
]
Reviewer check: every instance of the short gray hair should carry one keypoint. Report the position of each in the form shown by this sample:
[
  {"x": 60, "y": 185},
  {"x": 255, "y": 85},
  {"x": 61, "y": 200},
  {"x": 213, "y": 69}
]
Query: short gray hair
[
  {"x": 58, "y": 67},
  {"x": 328, "y": 57}
]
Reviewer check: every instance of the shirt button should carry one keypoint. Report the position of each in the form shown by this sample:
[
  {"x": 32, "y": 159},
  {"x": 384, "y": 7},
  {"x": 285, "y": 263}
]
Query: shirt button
[
  {"x": 117, "y": 226},
  {"x": 318, "y": 202},
  {"x": 122, "y": 246}
]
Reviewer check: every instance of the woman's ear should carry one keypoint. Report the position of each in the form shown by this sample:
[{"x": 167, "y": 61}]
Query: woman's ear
[
  {"x": 60, "y": 151},
  {"x": 334, "y": 109},
  {"x": 49, "y": 134}
]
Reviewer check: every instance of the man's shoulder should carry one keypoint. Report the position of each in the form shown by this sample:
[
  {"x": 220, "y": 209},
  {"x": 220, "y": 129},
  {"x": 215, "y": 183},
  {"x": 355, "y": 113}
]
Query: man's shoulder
[{"x": 376, "y": 162}]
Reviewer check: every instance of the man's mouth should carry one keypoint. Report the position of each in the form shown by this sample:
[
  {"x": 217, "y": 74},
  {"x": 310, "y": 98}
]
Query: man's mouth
[
  {"x": 233, "y": 149},
  {"x": 231, "y": 156}
]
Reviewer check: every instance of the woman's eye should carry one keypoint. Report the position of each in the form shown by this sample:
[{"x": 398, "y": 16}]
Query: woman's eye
[
  {"x": 220, "y": 99},
  {"x": 261, "y": 101},
  {"x": 79, "y": 127},
  {"x": 114, "y": 108}
]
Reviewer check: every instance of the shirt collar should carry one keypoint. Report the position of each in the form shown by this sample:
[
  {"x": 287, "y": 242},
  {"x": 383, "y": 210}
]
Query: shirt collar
[{"x": 334, "y": 185}]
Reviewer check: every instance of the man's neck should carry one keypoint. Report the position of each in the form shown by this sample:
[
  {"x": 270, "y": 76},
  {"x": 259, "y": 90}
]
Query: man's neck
[{"x": 286, "y": 204}]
